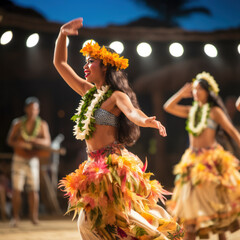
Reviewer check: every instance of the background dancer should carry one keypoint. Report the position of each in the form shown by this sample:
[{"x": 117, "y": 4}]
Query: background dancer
[
  {"x": 111, "y": 191},
  {"x": 207, "y": 189},
  {"x": 26, "y": 135}
]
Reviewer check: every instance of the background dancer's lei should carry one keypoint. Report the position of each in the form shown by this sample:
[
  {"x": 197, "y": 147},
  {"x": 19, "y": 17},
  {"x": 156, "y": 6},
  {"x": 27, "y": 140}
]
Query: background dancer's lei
[
  {"x": 197, "y": 118},
  {"x": 84, "y": 118},
  {"x": 35, "y": 132}
]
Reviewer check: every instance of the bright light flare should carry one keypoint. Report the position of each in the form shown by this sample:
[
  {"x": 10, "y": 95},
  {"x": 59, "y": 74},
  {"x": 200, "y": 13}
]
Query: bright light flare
[
  {"x": 210, "y": 50},
  {"x": 117, "y": 46},
  {"x": 32, "y": 40},
  {"x": 6, "y": 37},
  {"x": 144, "y": 49},
  {"x": 176, "y": 49}
]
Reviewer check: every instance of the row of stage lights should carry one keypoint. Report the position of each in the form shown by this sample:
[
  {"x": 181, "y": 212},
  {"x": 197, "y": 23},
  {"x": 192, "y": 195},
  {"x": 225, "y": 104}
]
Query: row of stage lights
[{"x": 143, "y": 49}]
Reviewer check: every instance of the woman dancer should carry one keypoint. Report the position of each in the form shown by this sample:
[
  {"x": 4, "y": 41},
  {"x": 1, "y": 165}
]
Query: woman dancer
[
  {"x": 111, "y": 191},
  {"x": 206, "y": 194}
]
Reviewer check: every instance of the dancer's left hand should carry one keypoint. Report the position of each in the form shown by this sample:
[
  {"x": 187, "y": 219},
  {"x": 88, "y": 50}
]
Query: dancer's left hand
[
  {"x": 162, "y": 129},
  {"x": 152, "y": 122}
]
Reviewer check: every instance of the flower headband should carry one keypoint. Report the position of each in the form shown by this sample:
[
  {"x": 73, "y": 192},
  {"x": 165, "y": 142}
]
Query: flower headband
[
  {"x": 95, "y": 51},
  {"x": 211, "y": 81}
]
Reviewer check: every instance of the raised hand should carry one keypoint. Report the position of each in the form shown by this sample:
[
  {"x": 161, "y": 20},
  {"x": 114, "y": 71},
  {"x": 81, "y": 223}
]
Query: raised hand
[
  {"x": 152, "y": 122},
  {"x": 186, "y": 90},
  {"x": 71, "y": 28}
]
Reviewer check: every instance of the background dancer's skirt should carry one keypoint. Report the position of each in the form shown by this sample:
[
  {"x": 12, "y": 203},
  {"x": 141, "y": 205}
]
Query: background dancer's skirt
[
  {"x": 116, "y": 199},
  {"x": 206, "y": 197}
]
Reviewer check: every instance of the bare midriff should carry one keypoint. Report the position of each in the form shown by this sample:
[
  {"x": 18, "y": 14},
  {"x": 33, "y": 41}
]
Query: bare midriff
[
  {"x": 102, "y": 137},
  {"x": 205, "y": 140}
]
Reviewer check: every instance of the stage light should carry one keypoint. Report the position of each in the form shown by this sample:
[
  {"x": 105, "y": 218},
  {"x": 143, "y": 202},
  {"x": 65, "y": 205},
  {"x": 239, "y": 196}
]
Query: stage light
[
  {"x": 6, "y": 37},
  {"x": 32, "y": 40},
  {"x": 144, "y": 49},
  {"x": 176, "y": 49},
  {"x": 239, "y": 48},
  {"x": 117, "y": 46},
  {"x": 88, "y": 41},
  {"x": 210, "y": 50}
]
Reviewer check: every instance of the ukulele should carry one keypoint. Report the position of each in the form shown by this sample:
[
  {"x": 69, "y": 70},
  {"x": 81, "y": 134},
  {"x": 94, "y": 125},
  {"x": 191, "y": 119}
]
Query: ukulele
[
  {"x": 45, "y": 152},
  {"x": 39, "y": 151}
]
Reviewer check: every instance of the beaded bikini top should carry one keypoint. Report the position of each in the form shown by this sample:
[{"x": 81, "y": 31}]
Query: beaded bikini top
[
  {"x": 211, "y": 124},
  {"x": 103, "y": 117}
]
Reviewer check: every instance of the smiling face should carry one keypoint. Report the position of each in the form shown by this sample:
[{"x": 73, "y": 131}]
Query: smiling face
[
  {"x": 94, "y": 71},
  {"x": 199, "y": 93}
]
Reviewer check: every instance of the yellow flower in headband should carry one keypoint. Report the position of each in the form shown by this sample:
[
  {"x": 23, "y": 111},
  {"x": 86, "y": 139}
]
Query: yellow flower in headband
[
  {"x": 211, "y": 81},
  {"x": 107, "y": 57}
]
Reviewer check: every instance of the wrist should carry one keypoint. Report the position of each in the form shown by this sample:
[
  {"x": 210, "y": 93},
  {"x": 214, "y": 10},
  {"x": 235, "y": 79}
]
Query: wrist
[{"x": 62, "y": 32}]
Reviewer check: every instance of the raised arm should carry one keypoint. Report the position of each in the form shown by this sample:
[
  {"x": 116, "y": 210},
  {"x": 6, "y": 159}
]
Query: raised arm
[
  {"x": 172, "y": 106},
  {"x": 219, "y": 116},
  {"x": 77, "y": 83},
  {"x": 135, "y": 115}
]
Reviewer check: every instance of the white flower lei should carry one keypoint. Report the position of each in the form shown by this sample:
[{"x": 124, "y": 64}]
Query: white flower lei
[
  {"x": 192, "y": 127},
  {"x": 98, "y": 96}
]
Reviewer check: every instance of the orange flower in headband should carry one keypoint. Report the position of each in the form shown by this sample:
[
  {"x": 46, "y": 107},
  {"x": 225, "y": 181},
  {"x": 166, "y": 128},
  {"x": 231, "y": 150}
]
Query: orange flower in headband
[{"x": 107, "y": 57}]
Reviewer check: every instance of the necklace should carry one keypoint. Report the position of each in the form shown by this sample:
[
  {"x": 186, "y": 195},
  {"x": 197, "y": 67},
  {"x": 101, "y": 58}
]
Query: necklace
[
  {"x": 25, "y": 135},
  {"x": 84, "y": 117},
  {"x": 197, "y": 118}
]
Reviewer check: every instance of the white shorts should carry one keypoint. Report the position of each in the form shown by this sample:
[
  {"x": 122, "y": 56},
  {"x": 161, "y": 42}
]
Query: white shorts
[{"x": 25, "y": 172}]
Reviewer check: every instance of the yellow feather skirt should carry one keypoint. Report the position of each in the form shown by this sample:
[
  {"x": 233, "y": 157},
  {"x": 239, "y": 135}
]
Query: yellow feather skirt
[{"x": 206, "y": 197}]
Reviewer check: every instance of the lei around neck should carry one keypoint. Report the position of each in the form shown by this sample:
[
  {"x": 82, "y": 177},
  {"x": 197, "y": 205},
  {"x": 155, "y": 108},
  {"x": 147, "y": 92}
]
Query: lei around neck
[
  {"x": 84, "y": 117},
  {"x": 23, "y": 130},
  {"x": 197, "y": 118}
]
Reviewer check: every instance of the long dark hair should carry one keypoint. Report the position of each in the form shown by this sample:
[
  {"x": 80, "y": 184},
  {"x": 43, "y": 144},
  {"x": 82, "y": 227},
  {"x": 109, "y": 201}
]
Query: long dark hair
[
  {"x": 128, "y": 132},
  {"x": 215, "y": 100}
]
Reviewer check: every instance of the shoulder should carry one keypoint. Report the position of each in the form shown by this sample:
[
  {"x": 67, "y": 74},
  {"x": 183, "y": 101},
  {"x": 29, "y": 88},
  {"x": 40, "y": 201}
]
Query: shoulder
[
  {"x": 17, "y": 121},
  {"x": 44, "y": 123},
  {"x": 216, "y": 110},
  {"x": 216, "y": 113},
  {"x": 118, "y": 94},
  {"x": 16, "y": 124}
]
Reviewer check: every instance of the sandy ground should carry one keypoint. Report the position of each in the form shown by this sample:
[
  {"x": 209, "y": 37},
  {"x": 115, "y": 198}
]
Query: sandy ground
[
  {"x": 46, "y": 230},
  {"x": 56, "y": 229}
]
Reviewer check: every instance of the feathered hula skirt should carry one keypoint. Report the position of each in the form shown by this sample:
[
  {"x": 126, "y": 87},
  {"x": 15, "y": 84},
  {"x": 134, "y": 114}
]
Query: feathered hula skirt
[
  {"x": 116, "y": 199},
  {"x": 206, "y": 196}
]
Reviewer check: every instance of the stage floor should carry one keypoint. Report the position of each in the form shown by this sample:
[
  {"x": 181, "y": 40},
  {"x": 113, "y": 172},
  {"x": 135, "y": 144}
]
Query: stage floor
[{"x": 55, "y": 229}]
